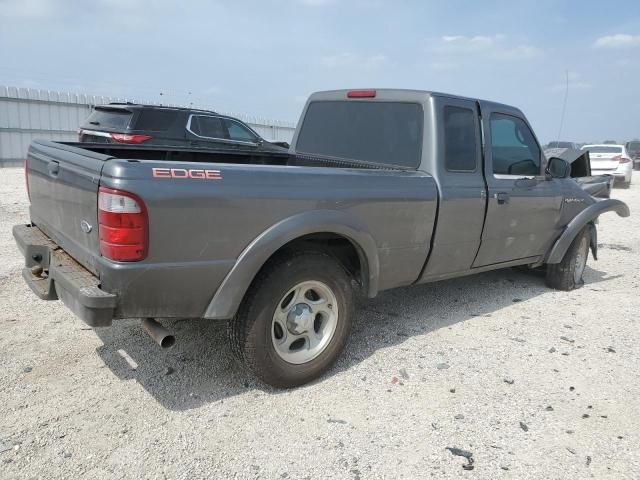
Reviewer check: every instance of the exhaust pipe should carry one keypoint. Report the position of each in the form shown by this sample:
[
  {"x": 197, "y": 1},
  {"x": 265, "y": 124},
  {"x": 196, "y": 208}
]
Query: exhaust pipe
[{"x": 160, "y": 335}]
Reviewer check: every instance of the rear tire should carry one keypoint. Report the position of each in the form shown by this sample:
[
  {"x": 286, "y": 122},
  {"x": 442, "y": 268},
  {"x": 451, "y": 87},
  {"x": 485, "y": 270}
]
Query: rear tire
[
  {"x": 295, "y": 319},
  {"x": 567, "y": 275}
]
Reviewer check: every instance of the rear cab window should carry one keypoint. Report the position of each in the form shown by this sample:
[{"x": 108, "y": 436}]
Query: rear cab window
[
  {"x": 380, "y": 132},
  {"x": 113, "y": 118}
]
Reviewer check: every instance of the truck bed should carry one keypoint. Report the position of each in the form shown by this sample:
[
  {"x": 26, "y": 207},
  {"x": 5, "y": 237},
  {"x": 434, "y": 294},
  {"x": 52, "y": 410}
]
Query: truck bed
[
  {"x": 240, "y": 156},
  {"x": 200, "y": 227}
]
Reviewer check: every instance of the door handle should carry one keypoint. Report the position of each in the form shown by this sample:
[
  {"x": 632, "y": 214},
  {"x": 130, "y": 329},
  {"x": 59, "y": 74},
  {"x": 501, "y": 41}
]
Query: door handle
[
  {"x": 53, "y": 168},
  {"x": 502, "y": 197}
]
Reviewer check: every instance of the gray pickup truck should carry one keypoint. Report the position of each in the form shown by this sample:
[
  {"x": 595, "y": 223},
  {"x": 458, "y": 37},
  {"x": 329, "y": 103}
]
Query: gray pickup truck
[{"x": 380, "y": 189}]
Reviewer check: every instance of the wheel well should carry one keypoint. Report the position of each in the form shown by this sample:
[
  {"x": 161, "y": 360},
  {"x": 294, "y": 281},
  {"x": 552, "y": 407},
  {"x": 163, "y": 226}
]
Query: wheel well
[{"x": 341, "y": 248}]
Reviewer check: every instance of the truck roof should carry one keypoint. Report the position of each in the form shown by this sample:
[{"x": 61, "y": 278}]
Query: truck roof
[
  {"x": 396, "y": 94},
  {"x": 400, "y": 94}
]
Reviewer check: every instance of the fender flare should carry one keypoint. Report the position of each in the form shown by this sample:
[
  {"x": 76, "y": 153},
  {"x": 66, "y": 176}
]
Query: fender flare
[
  {"x": 229, "y": 295},
  {"x": 585, "y": 217}
]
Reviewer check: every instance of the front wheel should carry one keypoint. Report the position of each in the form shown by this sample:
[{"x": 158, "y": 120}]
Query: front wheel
[
  {"x": 567, "y": 275},
  {"x": 295, "y": 319}
]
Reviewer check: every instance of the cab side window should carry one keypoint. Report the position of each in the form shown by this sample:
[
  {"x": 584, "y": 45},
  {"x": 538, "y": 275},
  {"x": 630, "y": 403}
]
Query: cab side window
[
  {"x": 210, "y": 127},
  {"x": 514, "y": 150},
  {"x": 460, "y": 142},
  {"x": 239, "y": 132}
]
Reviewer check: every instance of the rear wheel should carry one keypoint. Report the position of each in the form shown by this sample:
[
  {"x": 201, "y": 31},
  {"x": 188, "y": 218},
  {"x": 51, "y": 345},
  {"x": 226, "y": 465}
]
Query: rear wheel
[
  {"x": 567, "y": 275},
  {"x": 295, "y": 319}
]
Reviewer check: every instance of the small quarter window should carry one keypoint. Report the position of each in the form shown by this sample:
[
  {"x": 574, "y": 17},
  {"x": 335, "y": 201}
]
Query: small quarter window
[
  {"x": 155, "y": 120},
  {"x": 460, "y": 140}
]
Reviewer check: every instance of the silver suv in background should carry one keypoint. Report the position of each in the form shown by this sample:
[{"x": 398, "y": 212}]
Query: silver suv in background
[
  {"x": 611, "y": 159},
  {"x": 633, "y": 148}
]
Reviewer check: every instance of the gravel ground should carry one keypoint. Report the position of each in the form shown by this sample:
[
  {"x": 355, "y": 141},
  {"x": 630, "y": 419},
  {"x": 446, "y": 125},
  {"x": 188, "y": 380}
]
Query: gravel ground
[{"x": 535, "y": 383}]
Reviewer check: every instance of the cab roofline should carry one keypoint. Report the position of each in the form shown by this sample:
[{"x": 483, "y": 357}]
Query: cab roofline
[{"x": 400, "y": 94}]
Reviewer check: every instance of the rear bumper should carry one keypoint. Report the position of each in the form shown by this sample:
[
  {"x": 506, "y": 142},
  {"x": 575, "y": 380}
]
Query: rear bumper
[
  {"x": 52, "y": 274},
  {"x": 615, "y": 173},
  {"x": 619, "y": 175}
]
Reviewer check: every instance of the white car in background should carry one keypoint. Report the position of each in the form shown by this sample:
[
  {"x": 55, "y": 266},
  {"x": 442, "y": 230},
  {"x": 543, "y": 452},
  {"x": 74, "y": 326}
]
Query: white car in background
[{"x": 611, "y": 159}]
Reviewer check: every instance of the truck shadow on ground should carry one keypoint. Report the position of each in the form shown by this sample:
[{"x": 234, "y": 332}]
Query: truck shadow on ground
[{"x": 200, "y": 368}]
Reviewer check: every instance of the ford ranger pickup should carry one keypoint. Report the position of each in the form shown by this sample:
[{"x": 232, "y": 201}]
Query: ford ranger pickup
[{"x": 379, "y": 189}]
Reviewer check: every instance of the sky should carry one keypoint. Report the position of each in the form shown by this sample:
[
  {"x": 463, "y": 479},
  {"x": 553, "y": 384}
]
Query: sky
[{"x": 264, "y": 58}]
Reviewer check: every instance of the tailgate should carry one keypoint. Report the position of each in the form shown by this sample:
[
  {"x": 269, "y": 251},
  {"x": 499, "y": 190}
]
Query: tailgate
[{"x": 63, "y": 185}]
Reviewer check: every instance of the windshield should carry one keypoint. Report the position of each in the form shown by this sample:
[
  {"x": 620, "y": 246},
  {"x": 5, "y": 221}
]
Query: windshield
[{"x": 380, "y": 132}]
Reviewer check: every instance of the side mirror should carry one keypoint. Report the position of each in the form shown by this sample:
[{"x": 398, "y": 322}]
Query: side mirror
[{"x": 558, "y": 168}]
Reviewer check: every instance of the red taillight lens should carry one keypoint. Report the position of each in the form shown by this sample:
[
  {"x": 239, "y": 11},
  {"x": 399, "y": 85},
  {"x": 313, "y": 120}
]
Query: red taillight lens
[
  {"x": 621, "y": 159},
  {"x": 26, "y": 177},
  {"x": 123, "y": 225},
  {"x": 361, "y": 94},
  {"x": 129, "y": 138}
]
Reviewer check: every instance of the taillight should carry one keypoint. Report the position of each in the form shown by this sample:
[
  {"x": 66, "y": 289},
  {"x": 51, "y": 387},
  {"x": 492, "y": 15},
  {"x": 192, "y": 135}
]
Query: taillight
[
  {"x": 123, "y": 225},
  {"x": 361, "y": 94},
  {"x": 26, "y": 177},
  {"x": 79, "y": 132},
  {"x": 621, "y": 159},
  {"x": 129, "y": 138}
]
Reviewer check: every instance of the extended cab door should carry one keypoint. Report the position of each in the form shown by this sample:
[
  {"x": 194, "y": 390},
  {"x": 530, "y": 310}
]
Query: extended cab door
[
  {"x": 523, "y": 208},
  {"x": 458, "y": 170}
]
